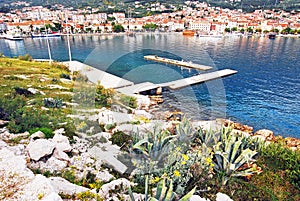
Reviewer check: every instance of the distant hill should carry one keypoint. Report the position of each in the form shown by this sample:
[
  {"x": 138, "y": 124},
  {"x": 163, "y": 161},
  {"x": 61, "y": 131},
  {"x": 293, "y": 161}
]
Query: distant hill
[{"x": 246, "y": 5}]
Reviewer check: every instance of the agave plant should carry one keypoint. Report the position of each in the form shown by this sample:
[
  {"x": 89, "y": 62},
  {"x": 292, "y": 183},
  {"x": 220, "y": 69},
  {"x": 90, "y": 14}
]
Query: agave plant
[
  {"x": 163, "y": 192},
  {"x": 155, "y": 146},
  {"x": 232, "y": 154},
  {"x": 53, "y": 103}
]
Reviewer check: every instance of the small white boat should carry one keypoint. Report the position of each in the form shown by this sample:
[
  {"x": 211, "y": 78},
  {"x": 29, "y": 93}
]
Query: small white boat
[
  {"x": 44, "y": 35},
  {"x": 13, "y": 36}
]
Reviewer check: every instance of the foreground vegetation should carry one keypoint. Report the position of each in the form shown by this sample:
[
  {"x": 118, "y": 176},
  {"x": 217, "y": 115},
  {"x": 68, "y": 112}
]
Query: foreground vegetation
[{"x": 177, "y": 162}]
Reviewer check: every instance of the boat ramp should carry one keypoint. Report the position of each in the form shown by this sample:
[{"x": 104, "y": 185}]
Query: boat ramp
[{"x": 177, "y": 62}]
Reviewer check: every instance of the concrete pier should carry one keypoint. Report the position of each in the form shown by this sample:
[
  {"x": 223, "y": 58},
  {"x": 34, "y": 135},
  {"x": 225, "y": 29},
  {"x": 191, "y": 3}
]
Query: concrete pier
[
  {"x": 95, "y": 75},
  {"x": 177, "y": 63},
  {"x": 177, "y": 84},
  {"x": 197, "y": 79}
]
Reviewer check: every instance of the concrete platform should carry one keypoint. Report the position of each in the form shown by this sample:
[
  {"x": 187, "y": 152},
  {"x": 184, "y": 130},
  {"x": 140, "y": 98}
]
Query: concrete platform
[
  {"x": 177, "y": 84},
  {"x": 138, "y": 88},
  {"x": 95, "y": 75},
  {"x": 177, "y": 63}
]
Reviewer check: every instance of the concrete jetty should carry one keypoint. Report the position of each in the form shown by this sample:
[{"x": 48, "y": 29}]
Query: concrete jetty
[
  {"x": 177, "y": 63},
  {"x": 95, "y": 75},
  {"x": 197, "y": 79},
  {"x": 177, "y": 84}
]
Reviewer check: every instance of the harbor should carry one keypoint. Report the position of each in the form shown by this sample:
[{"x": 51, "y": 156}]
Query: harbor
[{"x": 177, "y": 62}]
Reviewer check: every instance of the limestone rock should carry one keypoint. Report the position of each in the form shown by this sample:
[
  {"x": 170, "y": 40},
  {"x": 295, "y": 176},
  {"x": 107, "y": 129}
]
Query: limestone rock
[
  {"x": 104, "y": 176},
  {"x": 61, "y": 142},
  {"x": 223, "y": 197},
  {"x": 267, "y": 134},
  {"x": 61, "y": 185},
  {"x": 40, "y": 148},
  {"x": 197, "y": 198},
  {"x": 53, "y": 165},
  {"x": 37, "y": 135},
  {"x": 40, "y": 186},
  {"x": 60, "y": 155},
  {"x": 118, "y": 186},
  {"x": 52, "y": 197}
]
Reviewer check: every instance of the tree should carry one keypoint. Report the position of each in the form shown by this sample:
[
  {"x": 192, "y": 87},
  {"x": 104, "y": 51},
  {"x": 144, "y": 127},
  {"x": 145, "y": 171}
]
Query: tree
[
  {"x": 242, "y": 30},
  {"x": 118, "y": 28},
  {"x": 234, "y": 29},
  {"x": 150, "y": 26},
  {"x": 249, "y": 30},
  {"x": 258, "y": 30},
  {"x": 227, "y": 30}
]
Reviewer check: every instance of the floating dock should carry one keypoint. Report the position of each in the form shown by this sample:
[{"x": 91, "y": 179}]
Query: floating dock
[{"x": 177, "y": 63}]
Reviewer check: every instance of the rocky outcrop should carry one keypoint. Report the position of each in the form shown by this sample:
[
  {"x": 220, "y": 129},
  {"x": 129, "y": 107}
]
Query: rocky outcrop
[
  {"x": 63, "y": 186},
  {"x": 40, "y": 148},
  {"x": 265, "y": 134},
  {"x": 114, "y": 188}
]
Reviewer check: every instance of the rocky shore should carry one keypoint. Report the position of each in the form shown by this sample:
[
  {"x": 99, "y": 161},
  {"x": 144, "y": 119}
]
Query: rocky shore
[{"x": 88, "y": 166}]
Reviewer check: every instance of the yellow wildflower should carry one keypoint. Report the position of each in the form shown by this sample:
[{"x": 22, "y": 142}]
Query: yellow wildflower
[
  {"x": 178, "y": 148},
  {"x": 208, "y": 160},
  {"x": 176, "y": 173},
  {"x": 183, "y": 162},
  {"x": 155, "y": 180},
  {"x": 185, "y": 157}
]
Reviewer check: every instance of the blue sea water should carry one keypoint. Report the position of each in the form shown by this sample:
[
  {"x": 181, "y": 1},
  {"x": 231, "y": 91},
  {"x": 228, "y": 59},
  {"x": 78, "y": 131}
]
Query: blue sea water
[{"x": 265, "y": 93}]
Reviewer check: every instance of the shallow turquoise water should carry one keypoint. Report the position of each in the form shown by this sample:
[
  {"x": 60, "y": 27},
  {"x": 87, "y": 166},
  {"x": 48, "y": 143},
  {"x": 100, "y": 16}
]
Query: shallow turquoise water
[{"x": 263, "y": 94}]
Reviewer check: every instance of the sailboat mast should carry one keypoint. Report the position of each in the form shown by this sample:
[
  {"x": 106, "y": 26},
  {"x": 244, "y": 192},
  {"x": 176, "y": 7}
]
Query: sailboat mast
[
  {"x": 48, "y": 45},
  {"x": 68, "y": 38}
]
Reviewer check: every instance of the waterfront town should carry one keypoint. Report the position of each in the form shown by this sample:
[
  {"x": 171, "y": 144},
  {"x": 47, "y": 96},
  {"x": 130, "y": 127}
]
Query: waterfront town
[{"x": 197, "y": 16}]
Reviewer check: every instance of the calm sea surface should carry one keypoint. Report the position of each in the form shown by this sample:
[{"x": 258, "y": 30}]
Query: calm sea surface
[{"x": 265, "y": 93}]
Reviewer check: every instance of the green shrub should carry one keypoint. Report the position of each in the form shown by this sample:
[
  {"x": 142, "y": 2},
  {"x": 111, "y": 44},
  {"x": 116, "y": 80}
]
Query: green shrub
[
  {"x": 65, "y": 76},
  {"x": 103, "y": 97},
  {"x": 22, "y": 91},
  {"x": 53, "y": 103},
  {"x": 9, "y": 105},
  {"x": 26, "y": 57},
  {"x": 129, "y": 101},
  {"x": 47, "y": 132},
  {"x": 277, "y": 157},
  {"x": 120, "y": 138}
]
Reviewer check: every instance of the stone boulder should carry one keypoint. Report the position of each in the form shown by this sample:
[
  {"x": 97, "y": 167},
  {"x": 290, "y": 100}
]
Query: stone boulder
[
  {"x": 61, "y": 142},
  {"x": 197, "y": 198},
  {"x": 40, "y": 148},
  {"x": 223, "y": 197},
  {"x": 39, "y": 188},
  {"x": 61, "y": 185},
  {"x": 118, "y": 186},
  {"x": 267, "y": 134},
  {"x": 37, "y": 135}
]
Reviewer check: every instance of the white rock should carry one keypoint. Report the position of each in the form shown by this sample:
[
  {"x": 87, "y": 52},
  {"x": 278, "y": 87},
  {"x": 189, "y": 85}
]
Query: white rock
[
  {"x": 60, "y": 155},
  {"x": 40, "y": 186},
  {"x": 3, "y": 144},
  {"x": 61, "y": 142},
  {"x": 143, "y": 113},
  {"x": 52, "y": 197},
  {"x": 61, "y": 185},
  {"x": 40, "y": 148},
  {"x": 223, "y": 197},
  {"x": 37, "y": 135},
  {"x": 108, "y": 154},
  {"x": 113, "y": 185},
  {"x": 197, "y": 198},
  {"x": 35, "y": 91},
  {"x": 104, "y": 176},
  {"x": 54, "y": 165}
]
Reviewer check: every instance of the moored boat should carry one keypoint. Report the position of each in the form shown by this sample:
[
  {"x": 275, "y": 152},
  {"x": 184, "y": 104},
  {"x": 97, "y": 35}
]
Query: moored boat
[
  {"x": 13, "y": 36},
  {"x": 188, "y": 33},
  {"x": 271, "y": 35},
  {"x": 44, "y": 35}
]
